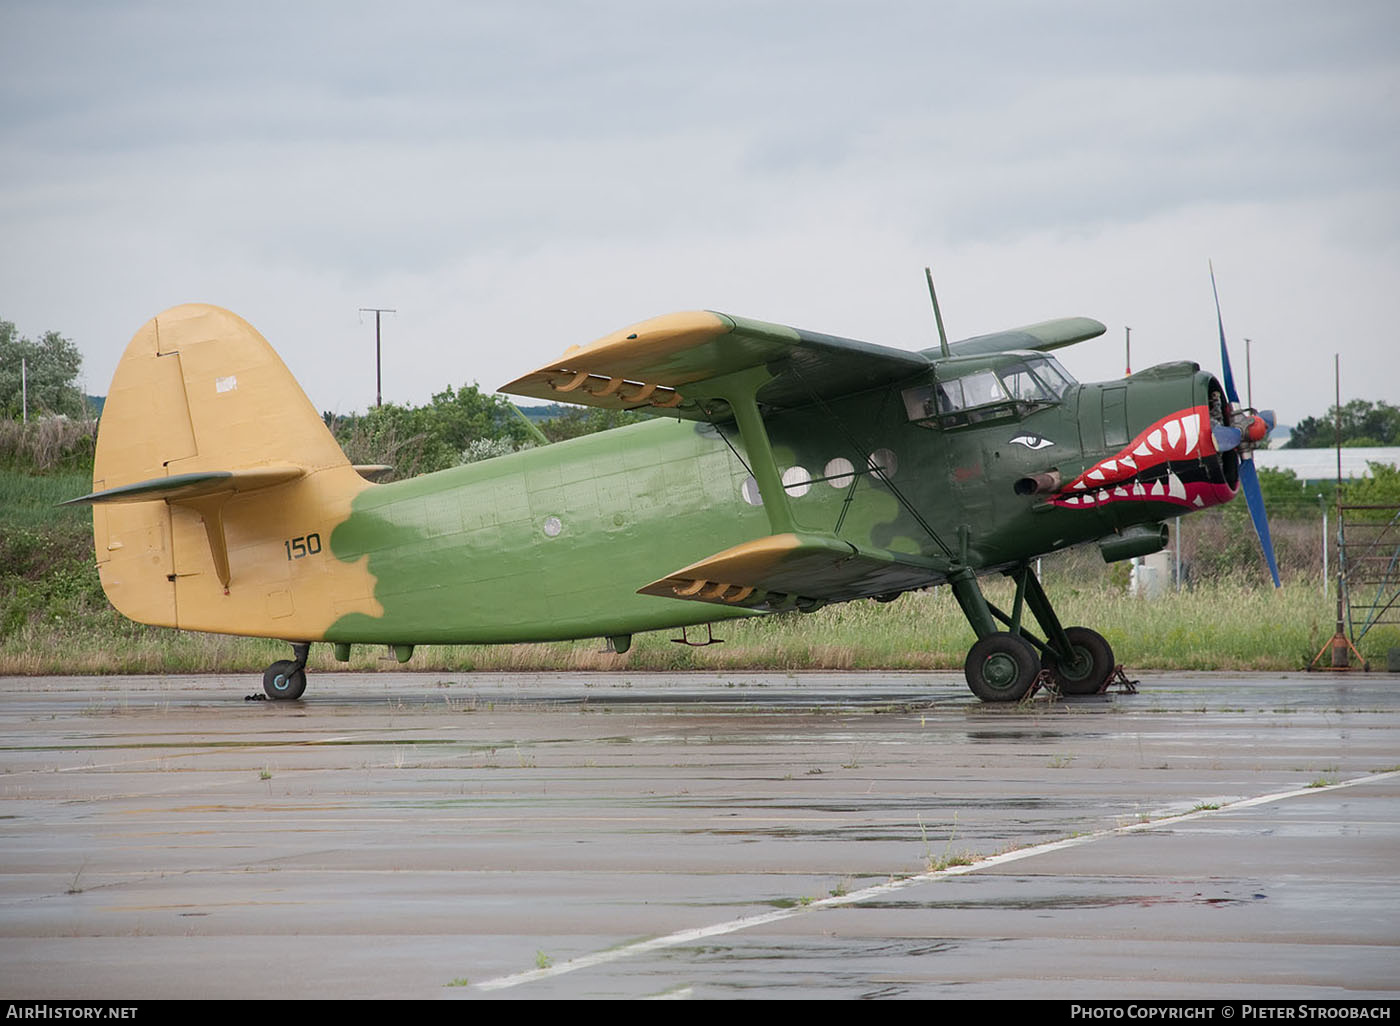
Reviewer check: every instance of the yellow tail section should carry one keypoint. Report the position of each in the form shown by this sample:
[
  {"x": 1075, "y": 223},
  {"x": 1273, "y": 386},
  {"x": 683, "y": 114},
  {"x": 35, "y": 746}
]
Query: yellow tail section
[{"x": 216, "y": 487}]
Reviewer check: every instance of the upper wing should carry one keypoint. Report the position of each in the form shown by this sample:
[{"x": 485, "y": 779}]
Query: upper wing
[
  {"x": 1043, "y": 337},
  {"x": 651, "y": 364}
]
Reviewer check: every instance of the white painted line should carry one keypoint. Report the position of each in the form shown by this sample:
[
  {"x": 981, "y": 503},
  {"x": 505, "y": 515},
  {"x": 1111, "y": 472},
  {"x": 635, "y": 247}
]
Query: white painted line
[{"x": 855, "y": 897}]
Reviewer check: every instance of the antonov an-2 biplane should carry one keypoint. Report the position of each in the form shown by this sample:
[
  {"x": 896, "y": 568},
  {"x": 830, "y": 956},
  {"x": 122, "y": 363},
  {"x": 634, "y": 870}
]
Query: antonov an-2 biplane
[{"x": 790, "y": 470}]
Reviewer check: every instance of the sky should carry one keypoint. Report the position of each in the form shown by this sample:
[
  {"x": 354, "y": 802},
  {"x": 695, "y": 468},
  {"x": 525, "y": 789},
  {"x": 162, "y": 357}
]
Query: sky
[{"x": 518, "y": 177}]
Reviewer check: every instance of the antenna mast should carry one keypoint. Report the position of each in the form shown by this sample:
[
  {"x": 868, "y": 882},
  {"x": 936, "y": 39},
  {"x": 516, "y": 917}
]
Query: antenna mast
[{"x": 937, "y": 315}]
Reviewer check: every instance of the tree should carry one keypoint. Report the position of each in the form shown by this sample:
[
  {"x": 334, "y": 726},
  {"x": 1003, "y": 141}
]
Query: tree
[
  {"x": 460, "y": 425},
  {"x": 1363, "y": 423},
  {"x": 582, "y": 420},
  {"x": 465, "y": 415},
  {"x": 1381, "y": 489},
  {"x": 1288, "y": 498},
  {"x": 50, "y": 374}
]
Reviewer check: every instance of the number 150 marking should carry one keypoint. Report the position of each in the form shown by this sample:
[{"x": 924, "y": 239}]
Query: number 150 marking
[{"x": 300, "y": 548}]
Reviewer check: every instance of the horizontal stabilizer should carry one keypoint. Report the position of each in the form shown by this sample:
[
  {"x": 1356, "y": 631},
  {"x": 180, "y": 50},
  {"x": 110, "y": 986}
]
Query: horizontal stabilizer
[
  {"x": 193, "y": 486},
  {"x": 786, "y": 569},
  {"x": 1042, "y": 337},
  {"x": 374, "y": 471},
  {"x": 650, "y": 365}
]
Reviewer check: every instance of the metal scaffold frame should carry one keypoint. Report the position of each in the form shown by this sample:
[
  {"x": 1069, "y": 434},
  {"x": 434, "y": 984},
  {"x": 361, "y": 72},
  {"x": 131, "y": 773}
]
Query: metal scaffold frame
[
  {"x": 1370, "y": 557},
  {"x": 1368, "y": 580}
]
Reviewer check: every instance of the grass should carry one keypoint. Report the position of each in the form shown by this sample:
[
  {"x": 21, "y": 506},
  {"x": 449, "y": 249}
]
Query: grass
[
  {"x": 948, "y": 858},
  {"x": 66, "y": 626}
]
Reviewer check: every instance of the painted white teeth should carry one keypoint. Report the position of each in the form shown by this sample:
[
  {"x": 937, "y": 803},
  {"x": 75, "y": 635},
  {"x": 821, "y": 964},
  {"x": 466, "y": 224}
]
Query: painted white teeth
[{"x": 1177, "y": 437}]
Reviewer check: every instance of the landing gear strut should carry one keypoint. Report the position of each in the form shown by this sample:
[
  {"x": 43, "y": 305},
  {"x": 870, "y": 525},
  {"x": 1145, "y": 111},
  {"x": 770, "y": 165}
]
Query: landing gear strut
[
  {"x": 285, "y": 679},
  {"x": 1004, "y": 664}
]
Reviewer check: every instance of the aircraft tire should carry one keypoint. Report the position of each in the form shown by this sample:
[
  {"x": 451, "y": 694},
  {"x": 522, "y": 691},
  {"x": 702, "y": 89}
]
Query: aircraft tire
[
  {"x": 281, "y": 684},
  {"x": 1092, "y": 665},
  {"x": 1001, "y": 667}
]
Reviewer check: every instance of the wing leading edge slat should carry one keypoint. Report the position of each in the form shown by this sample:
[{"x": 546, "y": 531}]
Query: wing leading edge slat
[
  {"x": 655, "y": 363},
  {"x": 795, "y": 569}
]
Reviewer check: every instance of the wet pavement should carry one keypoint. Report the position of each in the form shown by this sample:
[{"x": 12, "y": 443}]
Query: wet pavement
[{"x": 462, "y": 836}]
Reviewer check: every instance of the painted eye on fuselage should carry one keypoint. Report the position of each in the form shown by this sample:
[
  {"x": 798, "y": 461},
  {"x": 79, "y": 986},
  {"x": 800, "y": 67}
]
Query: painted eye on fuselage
[{"x": 1032, "y": 442}]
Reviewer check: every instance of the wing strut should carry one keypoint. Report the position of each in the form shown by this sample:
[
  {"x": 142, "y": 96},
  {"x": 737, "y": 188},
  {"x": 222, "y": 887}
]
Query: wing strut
[{"x": 739, "y": 391}]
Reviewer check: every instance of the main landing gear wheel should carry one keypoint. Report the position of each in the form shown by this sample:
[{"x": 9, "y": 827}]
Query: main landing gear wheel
[
  {"x": 1091, "y": 665},
  {"x": 284, "y": 680},
  {"x": 1001, "y": 667}
]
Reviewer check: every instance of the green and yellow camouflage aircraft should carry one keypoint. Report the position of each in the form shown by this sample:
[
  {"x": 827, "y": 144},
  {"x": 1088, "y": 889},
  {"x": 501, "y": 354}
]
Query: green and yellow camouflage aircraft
[{"x": 791, "y": 469}]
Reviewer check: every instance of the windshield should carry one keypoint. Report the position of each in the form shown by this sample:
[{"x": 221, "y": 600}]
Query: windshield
[
  {"x": 1024, "y": 385},
  {"x": 1055, "y": 378},
  {"x": 1014, "y": 379}
]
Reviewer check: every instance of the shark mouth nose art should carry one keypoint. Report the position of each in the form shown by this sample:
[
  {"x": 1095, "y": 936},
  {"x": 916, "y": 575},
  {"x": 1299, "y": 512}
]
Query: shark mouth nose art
[{"x": 1174, "y": 461}]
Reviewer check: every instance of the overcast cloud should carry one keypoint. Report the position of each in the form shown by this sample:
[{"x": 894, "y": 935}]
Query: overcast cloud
[{"x": 519, "y": 177}]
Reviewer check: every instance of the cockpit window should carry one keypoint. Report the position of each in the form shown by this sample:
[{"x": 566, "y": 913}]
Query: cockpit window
[{"x": 977, "y": 389}]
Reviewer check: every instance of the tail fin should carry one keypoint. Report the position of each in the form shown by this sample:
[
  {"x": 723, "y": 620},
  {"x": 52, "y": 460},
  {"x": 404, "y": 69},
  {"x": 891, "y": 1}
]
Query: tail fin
[{"x": 216, "y": 486}]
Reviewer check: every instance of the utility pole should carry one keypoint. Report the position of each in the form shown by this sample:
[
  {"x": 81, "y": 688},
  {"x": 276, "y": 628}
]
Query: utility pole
[
  {"x": 24, "y": 387},
  {"x": 378, "y": 376},
  {"x": 1248, "y": 378},
  {"x": 1321, "y": 502}
]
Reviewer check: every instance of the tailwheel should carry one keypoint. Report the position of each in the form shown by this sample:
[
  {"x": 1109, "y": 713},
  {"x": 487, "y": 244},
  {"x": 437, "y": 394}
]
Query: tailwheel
[
  {"x": 1001, "y": 667},
  {"x": 1089, "y": 667},
  {"x": 284, "y": 680}
]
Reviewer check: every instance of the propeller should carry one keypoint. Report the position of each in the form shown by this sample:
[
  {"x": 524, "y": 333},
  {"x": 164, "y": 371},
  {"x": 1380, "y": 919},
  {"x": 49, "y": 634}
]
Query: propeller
[{"x": 1254, "y": 428}]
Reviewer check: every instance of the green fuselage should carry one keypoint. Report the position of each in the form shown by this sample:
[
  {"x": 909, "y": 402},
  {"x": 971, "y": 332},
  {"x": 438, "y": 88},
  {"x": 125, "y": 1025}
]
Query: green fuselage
[{"x": 554, "y": 542}]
